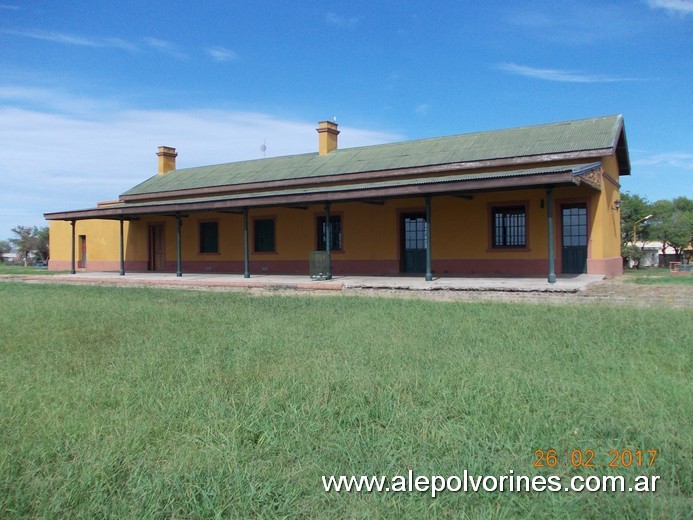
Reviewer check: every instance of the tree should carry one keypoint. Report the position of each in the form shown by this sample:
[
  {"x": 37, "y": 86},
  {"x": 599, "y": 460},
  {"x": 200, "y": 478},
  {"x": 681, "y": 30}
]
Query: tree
[
  {"x": 42, "y": 249},
  {"x": 633, "y": 254},
  {"x": 30, "y": 242},
  {"x": 5, "y": 248},
  {"x": 24, "y": 242},
  {"x": 673, "y": 223},
  {"x": 633, "y": 208}
]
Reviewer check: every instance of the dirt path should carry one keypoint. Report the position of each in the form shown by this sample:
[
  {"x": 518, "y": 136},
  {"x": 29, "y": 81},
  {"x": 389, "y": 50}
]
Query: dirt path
[{"x": 615, "y": 291}]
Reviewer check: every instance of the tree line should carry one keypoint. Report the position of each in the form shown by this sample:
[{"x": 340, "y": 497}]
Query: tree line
[
  {"x": 30, "y": 243},
  {"x": 667, "y": 221}
]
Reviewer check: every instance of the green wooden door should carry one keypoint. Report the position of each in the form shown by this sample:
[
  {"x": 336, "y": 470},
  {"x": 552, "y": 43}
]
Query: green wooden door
[
  {"x": 574, "y": 226},
  {"x": 413, "y": 232}
]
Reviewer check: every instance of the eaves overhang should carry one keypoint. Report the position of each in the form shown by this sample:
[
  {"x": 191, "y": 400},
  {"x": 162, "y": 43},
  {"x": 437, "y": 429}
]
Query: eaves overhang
[
  {"x": 620, "y": 150},
  {"x": 364, "y": 191}
]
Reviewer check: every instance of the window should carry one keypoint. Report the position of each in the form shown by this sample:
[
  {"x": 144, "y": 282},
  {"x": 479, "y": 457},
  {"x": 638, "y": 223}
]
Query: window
[
  {"x": 209, "y": 237},
  {"x": 509, "y": 227},
  {"x": 415, "y": 228},
  {"x": 264, "y": 235},
  {"x": 335, "y": 233}
]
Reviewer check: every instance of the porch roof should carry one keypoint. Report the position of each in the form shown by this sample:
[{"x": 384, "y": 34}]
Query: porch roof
[{"x": 357, "y": 191}]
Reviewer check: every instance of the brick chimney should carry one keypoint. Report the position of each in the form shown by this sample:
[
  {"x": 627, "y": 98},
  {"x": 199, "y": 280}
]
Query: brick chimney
[
  {"x": 167, "y": 159},
  {"x": 327, "y": 137}
]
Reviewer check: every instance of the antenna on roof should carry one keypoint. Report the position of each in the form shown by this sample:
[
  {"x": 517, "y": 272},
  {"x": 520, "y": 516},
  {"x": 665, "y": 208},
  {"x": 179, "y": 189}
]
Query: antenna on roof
[{"x": 263, "y": 148}]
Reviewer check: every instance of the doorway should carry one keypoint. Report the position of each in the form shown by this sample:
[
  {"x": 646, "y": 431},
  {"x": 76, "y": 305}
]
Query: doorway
[
  {"x": 155, "y": 248},
  {"x": 574, "y": 226},
  {"x": 82, "y": 264},
  {"x": 414, "y": 246}
]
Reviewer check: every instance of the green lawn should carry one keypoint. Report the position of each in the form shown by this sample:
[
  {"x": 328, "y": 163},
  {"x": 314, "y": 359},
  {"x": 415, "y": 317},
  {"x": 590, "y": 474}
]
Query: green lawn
[
  {"x": 657, "y": 276},
  {"x": 20, "y": 269},
  {"x": 148, "y": 403}
]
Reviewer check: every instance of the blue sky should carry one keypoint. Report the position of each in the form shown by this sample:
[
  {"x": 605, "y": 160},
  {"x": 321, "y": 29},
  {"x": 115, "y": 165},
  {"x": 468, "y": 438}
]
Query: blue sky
[{"x": 89, "y": 90}]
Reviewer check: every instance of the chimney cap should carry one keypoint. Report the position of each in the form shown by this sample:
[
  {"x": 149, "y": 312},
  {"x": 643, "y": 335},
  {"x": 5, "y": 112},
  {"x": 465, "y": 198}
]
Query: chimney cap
[
  {"x": 167, "y": 151},
  {"x": 328, "y": 126}
]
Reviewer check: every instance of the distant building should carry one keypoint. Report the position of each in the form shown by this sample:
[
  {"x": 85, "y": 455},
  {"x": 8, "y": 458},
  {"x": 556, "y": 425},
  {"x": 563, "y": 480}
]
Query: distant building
[
  {"x": 9, "y": 258},
  {"x": 470, "y": 204},
  {"x": 653, "y": 255}
]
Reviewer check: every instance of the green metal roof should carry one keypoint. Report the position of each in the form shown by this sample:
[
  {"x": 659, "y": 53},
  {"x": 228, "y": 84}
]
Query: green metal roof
[
  {"x": 557, "y": 138},
  {"x": 576, "y": 168}
]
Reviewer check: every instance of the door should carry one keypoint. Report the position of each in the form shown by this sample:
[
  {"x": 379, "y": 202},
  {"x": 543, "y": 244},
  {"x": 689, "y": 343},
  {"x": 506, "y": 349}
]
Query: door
[
  {"x": 574, "y": 226},
  {"x": 155, "y": 261},
  {"x": 413, "y": 233},
  {"x": 82, "y": 252}
]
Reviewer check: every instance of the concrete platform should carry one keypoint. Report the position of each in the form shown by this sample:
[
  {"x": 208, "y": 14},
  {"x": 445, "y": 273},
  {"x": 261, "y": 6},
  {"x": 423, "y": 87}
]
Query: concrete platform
[{"x": 564, "y": 283}]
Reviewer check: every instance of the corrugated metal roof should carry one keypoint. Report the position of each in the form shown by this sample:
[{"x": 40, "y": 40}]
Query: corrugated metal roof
[
  {"x": 358, "y": 190},
  {"x": 364, "y": 185},
  {"x": 571, "y": 136}
]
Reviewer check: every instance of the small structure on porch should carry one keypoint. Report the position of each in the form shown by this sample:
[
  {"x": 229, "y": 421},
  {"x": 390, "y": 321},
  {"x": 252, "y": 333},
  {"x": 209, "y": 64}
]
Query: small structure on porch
[{"x": 522, "y": 201}]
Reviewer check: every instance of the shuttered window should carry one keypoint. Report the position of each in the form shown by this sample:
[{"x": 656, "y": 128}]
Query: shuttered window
[
  {"x": 209, "y": 237},
  {"x": 264, "y": 236}
]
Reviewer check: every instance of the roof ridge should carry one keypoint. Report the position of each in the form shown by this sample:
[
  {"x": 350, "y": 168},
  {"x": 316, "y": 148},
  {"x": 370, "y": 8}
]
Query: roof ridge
[
  {"x": 617, "y": 117},
  {"x": 410, "y": 141}
]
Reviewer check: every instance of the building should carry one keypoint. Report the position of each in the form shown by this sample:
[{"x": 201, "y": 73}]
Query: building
[
  {"x": 537, "y": 200},
  {"x": 654, "y": 254}
]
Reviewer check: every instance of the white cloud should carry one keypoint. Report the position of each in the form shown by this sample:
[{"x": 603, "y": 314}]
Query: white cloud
[
  {"x": 348, "y": 22},
  {"x": 57, "y": 37},
  {"x": 55, "y": 159},
  {"x": 73, "y": 39},
  {"x": 422, "y": 109},
  {"x": 10, "y": 7},
  {"x": 681, "y": 7},
  {"x": 568, "y": 76},
  {"x": 574, "y": 23},
  {"x": 44, "y": 98},
  {"x": 164, "y": 46},
  {"x": 678, "y": 160},
  {"x": 112, "y": 43},
  {"x": 222, "y": 54}
]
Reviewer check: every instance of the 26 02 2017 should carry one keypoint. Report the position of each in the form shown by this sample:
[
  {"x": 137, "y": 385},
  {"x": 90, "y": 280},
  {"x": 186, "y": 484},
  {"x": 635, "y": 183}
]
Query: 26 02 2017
[{"x": 586, "y": 458}]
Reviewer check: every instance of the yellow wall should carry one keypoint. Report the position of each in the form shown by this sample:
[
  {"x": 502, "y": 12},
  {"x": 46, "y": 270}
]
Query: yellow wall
[
  {"x": 608, "y": 216},
  {"x": 103, "y": 242},
  {"x": 460, "y": 230}
]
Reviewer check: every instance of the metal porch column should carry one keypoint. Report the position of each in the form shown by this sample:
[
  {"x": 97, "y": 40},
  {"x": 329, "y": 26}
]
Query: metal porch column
[
  {"x": 429, "y": 275},
  {"x": 328, "y": 242},
  {"x": 179, "y": 263},
  {"x": 246, "y": 251},
  {"x": 122, "y": 250},
  {"x": 72, "y": 261},
  {"x": 549, "y": 219}
]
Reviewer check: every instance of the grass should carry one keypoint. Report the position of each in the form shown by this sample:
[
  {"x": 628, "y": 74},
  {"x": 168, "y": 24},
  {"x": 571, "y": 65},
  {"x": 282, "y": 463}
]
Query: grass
[
  {"x": 657, "y": 276},
  {"x": 148, "y": 403},
  {"x": 20, "y": 269}
]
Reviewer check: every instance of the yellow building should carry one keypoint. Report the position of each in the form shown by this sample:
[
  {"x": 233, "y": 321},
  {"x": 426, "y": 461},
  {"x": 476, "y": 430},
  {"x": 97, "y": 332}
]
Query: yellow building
[{"x": 540, "y": 200}]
